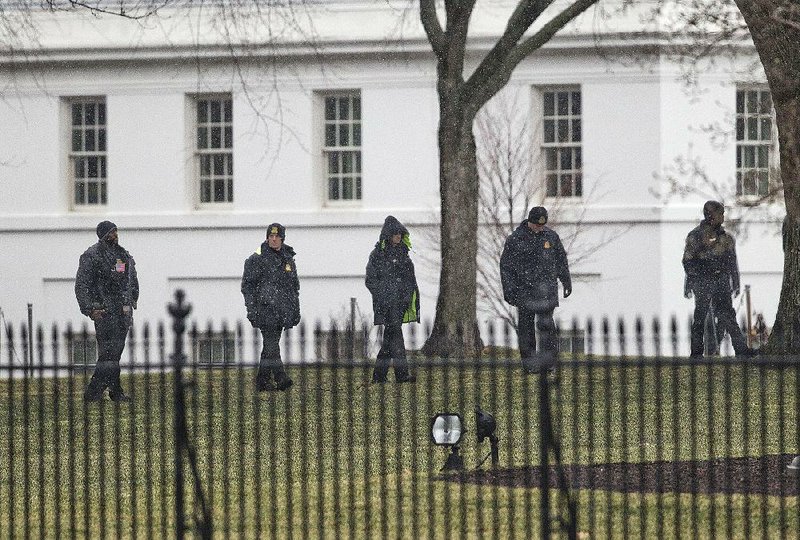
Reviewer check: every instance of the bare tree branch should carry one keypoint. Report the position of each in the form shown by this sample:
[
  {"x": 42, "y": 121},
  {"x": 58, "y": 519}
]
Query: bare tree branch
[
  {"x": 483, "y": 90},
  {"x": 433, "y": 29},
  {"x": 128, "y": 9}
]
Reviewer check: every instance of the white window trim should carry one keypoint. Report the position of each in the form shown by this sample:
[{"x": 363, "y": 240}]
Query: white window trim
[
  {"x": 538, "y": 155},
  {"x": 193, "y": 170},
  {"x": 67, "y": 153},
  {"x": 774, "y": 158},
  {"x": 321, "y": 165}
]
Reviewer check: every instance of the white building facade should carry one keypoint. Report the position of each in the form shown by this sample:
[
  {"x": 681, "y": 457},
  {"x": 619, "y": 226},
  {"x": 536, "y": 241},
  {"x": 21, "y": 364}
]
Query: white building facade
[{"x": 192, "y": 147}]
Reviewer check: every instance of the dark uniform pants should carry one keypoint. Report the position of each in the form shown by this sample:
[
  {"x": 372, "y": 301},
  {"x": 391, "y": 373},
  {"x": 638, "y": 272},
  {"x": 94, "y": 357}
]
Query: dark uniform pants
[
  {"x": 271, "y": 363},
  {"x": 527, "y": 324},
  {"x": 392, "y": 348},
  {"x": 110, "y": 331},
  {"x": 715, "y": 291}
]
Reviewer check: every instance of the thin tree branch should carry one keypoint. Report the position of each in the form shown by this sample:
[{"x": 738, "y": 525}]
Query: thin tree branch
[
  {"x": 433, "y": 29},
  {"x": 525, "y": 14},
  {"x": 151, "y": 8},
  {"x": 482, "y": 90}
]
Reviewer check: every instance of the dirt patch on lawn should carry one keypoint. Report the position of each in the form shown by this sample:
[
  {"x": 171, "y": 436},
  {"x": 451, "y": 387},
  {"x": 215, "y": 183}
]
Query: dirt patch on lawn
[{"x": 765, "y": 475}]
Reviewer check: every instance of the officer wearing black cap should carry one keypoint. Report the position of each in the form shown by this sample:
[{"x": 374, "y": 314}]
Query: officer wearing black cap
[
  {"x": 533, "y": 259},
  {"x": 107, "y": 291},
  {"x": 271, "y": 293},
  {"x": 712, "y": 274}
]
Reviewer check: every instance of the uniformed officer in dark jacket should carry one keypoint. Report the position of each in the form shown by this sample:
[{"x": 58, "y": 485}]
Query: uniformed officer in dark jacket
[
  {"x": 712, "y": 274},
  {"x": 271, "y": 293},
  {"x": 395, "y": 297},
  {"x": 107, "y": 291},
  {"x": 533, "y": 258}
]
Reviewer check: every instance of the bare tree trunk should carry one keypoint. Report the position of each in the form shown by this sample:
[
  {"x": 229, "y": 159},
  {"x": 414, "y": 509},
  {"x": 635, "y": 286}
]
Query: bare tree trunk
[
  {"x": 777, "y": 42},
  {"x": 785, "y": 337},
  {"x": 454, "y": 332}
]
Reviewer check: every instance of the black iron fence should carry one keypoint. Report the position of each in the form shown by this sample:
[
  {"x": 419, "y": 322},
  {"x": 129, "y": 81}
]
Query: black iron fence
[{"x": 625, "y": 438}]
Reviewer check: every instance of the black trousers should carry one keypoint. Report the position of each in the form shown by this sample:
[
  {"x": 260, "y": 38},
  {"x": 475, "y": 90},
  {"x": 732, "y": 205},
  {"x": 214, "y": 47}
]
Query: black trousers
[
  {"x": 527, "y": 324},
  {"x": 715, "y": 291},
  {"x": 392, "y": 348},
  {"x": 270, "y": 363},
  {"x": 110, "y": 332}
]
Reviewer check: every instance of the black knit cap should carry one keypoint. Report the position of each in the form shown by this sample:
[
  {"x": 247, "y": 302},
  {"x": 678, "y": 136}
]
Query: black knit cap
[
  {"x": 712, "y": 207},
  {"x": 277, "y": 228},
  {"x": 538, "y": 215},
  {"x": 103, "y": 228}
]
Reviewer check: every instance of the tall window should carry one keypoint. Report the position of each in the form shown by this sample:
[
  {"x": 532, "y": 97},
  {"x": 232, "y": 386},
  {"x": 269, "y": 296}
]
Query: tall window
[
  {"x": 561, "y": 143},
  {"x": 87, "y": 155},
  {"x": 755, "y": 142},
  {"x": 342, "y": 147},
  {"x": 214, "y": 149}
]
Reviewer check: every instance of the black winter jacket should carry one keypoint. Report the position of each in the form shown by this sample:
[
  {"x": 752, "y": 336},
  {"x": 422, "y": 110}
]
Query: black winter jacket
[
  {"x": 390, "y": 278},
  {"x": 531, "y": 263},
  {"x": 710, "y": 253},
  {"x": 106, "y": 279},
  {"x": 271, "y": 288}
]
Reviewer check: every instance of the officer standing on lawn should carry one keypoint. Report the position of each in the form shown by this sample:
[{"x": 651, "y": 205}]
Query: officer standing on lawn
[
  {"x": 712, "y": 274},
  {"x": 271, "y": 293},
  {"x": 533, "y": 258},
  {"x": 107, "y": 291},
  {"x": 395, "y": 297}
]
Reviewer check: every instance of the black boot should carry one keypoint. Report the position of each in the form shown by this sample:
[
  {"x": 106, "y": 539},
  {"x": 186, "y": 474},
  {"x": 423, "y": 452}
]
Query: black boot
[
  {"x": 119, "y": 396},
  {"x": 284, "y": 383},
  {"x": 406, "y": 377},
  {"x": 94, "y": 391},
  {"x": 264, "y": 381}
]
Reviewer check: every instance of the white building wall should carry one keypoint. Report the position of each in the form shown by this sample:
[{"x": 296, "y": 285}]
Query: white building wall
[{"x": 635, "y": 123}]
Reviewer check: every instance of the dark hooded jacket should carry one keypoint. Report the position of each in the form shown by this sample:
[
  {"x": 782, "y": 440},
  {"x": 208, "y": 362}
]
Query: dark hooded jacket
[
  {"x": 710, "y": 253},
  {"x": 106, "y": 279},
  {"x": 271, "y": 288},
  {"x": 391, "y": 279},
  {"x": 530, "y": 264}
]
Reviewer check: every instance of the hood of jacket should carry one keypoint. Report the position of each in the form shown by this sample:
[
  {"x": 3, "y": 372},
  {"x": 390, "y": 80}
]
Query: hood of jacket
[{"x": 392, "y": 226}]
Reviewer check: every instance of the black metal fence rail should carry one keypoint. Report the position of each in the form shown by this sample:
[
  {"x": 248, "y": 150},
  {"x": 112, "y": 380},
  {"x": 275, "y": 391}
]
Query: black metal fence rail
[{"x": 617, "y": 442}]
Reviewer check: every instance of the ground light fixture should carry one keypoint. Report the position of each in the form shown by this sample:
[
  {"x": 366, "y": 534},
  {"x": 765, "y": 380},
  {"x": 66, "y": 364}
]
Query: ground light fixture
[
  {"x": 486, "y": 426},
  {"x": 446, "y": 430},
  {"x": 794, "y": 465}
]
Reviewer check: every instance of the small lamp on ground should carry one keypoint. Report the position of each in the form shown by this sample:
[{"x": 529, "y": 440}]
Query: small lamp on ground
[
  {"x": 486, "y": 426},
  {"x": 794, "y": 466},
  {"x": 446, "y": 429}
]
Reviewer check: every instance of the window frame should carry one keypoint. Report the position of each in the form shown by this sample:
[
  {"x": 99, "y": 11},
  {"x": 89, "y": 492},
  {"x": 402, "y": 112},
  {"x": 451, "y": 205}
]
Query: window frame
[
  {"x": 541, "y": 146},
  {"x": 228, "y": 166},
  {"x": 325, "y": 150},
  {"x": 773, "y": 159},
  {"x": 217, "y": 349},
  {"x": 78, "y": 341},
  {"x": 71, "y": 155}
]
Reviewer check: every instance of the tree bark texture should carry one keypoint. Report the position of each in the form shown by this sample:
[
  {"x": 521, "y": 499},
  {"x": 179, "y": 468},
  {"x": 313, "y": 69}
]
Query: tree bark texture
[
  {"x": 777, "y": 42},
  {"x": 454, "y": 332}
]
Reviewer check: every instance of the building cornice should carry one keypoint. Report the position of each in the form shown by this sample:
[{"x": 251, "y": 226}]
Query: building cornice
[{"x": 387, "y": 50}]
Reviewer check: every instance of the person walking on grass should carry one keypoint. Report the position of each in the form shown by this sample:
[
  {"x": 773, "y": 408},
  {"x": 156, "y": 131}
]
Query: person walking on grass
[
  {"x": 395, "y": 298},
  {"x": 712, "y": 274},
  {"x": 533, "y": 259},
  {"x": 107, "y": 291},
  {"x": 271, "y": 293}
]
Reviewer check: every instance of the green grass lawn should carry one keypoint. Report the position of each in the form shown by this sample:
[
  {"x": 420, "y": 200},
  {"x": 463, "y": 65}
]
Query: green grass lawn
[{"x": 335, "y": 456}]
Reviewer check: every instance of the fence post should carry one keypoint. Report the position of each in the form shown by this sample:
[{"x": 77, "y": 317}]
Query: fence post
[
  {"x": 29, "y": 359},
  {"x": 179, "y": 311}
]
